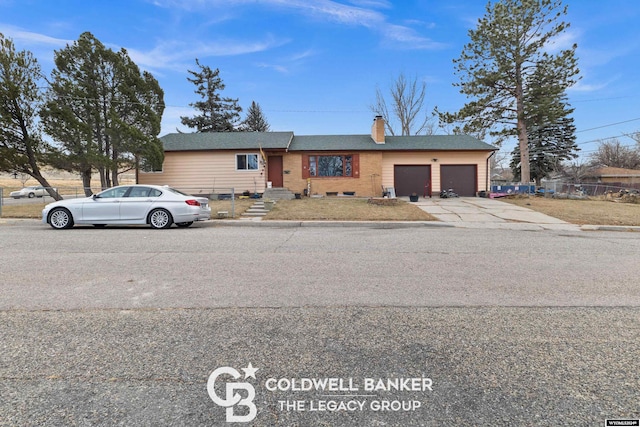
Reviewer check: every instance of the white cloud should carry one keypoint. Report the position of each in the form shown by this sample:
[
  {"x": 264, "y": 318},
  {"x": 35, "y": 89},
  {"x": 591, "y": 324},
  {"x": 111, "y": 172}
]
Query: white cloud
[
  {"x": 177, "y": 55},
  {"x": 361, "y": 13},
  {"x": 29, "y": 38},
  {"x": 408, "y": 38},
  {"x": 378, "y": 4},
  {"x": 583, "y": 87},
  {"x": 279, "y": 68}
]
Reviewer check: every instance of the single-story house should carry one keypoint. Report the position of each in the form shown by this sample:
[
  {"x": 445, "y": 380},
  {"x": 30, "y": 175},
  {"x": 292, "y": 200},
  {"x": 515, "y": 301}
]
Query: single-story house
[
  {"x": 363, "y": 164},
  {"x": 614, "y": 176}
]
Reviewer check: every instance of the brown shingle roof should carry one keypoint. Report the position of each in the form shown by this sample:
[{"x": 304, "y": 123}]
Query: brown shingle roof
[{"x": 608, "y": 172}]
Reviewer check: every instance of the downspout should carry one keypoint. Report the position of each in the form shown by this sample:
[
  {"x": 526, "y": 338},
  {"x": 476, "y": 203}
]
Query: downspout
[{"x": 488, "y": 185}]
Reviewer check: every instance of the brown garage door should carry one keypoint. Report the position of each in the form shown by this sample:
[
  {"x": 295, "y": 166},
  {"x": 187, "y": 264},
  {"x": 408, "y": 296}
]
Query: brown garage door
[
  {"x": 461, "y": 178},
  {"x": 412, "y": 179}
]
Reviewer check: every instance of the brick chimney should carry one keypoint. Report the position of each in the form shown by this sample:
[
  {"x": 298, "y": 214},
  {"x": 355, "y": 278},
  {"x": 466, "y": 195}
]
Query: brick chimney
[{"x": 377, "y": 130}]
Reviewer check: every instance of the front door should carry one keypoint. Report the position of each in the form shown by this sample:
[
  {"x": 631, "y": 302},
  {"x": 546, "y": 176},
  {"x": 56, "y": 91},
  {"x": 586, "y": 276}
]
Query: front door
[{"x": 274, "y": 174}]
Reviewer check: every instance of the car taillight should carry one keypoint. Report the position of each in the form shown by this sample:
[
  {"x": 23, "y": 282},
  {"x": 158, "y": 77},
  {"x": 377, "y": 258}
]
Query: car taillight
[{"x": 192, "y": 202}]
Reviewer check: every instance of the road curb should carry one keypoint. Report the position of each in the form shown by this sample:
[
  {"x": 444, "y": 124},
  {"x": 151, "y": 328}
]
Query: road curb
[
  {"x": 610, "y": 228},
  {"x": 295, "y": 224}
]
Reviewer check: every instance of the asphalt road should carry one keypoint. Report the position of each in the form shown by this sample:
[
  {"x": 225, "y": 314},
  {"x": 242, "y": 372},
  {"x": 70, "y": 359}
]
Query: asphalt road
[{"x": 404, "y": 327}]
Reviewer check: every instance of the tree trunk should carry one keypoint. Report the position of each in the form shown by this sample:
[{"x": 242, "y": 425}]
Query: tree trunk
[
  {"x": 114, "y": 177},
  {"x": 523, "y": 144},
  {"x": 86, "y": 182},
  {"x": 43, "y": 181},
  {"x": 523, "y": 140},
  {"x": 34, "y": 169}
]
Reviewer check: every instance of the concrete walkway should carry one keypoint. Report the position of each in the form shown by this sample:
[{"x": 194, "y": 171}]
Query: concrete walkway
[{"x": 477, "y": 212}]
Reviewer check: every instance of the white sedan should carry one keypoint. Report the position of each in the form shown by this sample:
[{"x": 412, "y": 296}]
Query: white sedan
[
  {"x": 30, "y": 192},
  {"x": 158, "y": 206}
]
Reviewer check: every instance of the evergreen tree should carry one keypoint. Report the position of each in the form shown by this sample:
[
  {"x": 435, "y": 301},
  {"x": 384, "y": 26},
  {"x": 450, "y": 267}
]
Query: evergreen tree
[
  {"x": 551, "y": 131},
  {"x": 217, "y": 114},
  {"x": 255, "y": 120},
  {"x": 22, "y": 148},
  {"x": 508, "y": 46},
  {"x": 102, "y": 110}
]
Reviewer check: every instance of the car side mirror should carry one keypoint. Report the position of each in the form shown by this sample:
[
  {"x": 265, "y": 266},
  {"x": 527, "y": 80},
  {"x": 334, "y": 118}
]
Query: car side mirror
[{"x": 94, "y": 196}]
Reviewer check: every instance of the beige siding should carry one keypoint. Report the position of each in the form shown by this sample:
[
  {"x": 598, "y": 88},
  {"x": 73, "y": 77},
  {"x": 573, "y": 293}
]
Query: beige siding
[
  {"x": 435, "y": 159},
  {"x": 205, "y": 172}
]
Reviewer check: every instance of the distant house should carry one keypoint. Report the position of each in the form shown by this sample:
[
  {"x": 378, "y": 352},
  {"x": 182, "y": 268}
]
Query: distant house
[
  {"x": 363, "y": 164},
  {"x": 614, "y": 176}
]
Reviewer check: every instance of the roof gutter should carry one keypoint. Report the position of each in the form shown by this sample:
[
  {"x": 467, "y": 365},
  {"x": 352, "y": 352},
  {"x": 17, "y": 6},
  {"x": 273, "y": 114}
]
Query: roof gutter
[{"x": 488, "y": 185}]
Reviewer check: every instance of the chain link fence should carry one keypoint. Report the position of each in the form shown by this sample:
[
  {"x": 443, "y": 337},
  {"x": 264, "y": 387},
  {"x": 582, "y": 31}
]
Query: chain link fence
[{"x": 571, "y": 189}]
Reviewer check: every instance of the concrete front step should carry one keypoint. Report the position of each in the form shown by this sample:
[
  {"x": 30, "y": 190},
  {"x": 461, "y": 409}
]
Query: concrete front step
[
  {"x": 256, "y": 210},
  {"x": 278, "y": 193}
]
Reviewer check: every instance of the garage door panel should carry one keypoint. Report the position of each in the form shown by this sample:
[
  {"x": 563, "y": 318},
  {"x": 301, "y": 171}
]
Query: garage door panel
[
  {"x": 462, "y": 179},
  {"x": 412, "y": 179}
]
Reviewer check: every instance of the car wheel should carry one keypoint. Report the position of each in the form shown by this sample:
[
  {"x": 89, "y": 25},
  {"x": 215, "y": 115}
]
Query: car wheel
[
  {"x": 31, "y": 195},
  {"x": 160, "y": 218},
  {"x": 184, "y": 224},
  {"x": 60, "y": 218}
]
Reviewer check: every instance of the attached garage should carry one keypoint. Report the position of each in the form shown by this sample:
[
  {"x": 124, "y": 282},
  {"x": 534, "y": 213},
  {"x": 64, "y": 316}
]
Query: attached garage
[
  {"x": 462, "y": 179},
  {"x": 410, "y": 179}
]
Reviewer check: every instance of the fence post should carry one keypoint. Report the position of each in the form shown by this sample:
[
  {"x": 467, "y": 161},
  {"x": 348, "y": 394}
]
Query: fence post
[{"x": 233, "y": 203}]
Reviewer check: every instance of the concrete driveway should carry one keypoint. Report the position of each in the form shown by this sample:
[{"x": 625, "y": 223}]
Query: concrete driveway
[{"x": 477, "y": 212}]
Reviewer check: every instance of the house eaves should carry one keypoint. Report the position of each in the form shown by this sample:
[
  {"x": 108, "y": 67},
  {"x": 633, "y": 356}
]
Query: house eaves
[
  {"x": 610, "y": 172},
  {"x": 392, "y": 143},
  {"x": 205, "y": 141}
]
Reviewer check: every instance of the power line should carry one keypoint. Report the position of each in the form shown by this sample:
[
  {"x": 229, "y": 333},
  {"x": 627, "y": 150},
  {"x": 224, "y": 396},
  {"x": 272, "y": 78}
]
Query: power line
[{"x": 609, "y": 125}]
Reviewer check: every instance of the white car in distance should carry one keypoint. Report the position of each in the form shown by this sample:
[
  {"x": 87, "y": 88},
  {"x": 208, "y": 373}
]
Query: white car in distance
[{"x": 30, "y": 192}]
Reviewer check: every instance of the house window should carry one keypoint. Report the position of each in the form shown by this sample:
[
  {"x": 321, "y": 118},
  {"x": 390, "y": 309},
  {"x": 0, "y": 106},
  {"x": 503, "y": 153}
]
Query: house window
[
  {"x": 331, "y": 165},
  {"x": 247, "y": 162}
]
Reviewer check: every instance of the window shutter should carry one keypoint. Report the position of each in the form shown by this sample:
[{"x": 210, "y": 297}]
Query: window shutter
[
  {"x": 305, "y": 166},
  {"x": 356, "y": 165}
]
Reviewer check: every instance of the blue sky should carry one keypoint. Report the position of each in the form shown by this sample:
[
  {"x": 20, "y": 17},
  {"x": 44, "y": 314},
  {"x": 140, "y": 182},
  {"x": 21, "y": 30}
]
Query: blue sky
[{"x": 314, "y": 65}]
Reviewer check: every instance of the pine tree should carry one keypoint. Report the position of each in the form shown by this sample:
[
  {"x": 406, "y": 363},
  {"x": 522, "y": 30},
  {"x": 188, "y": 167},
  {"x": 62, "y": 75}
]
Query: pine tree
[
  {"x": 508, "y": 46},
  {"x": 102, "y": 110},
  {"x": 551, "y": 131},
  {"x": 22, "y": 148},
  {"x": 217, "y": 114},
  {"x": 255, "y": 120}
]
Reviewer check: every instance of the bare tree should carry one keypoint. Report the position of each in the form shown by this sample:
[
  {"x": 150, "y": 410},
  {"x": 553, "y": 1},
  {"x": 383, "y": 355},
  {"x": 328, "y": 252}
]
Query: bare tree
[
  {"x": 407, "y": 107},
  {"x": 576, "y": 171},
  {"x": 613, "y": 154}
]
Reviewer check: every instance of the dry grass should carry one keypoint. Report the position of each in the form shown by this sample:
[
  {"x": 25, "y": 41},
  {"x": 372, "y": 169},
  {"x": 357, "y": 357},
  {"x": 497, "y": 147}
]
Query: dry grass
[
  {"x": 31, "y": 210},
  {"x": 240, "y": 206},
  {"x": 581, "y": 212},
  {"x": 300, "y": 210},
  {"x": 345, "y": 209}
]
